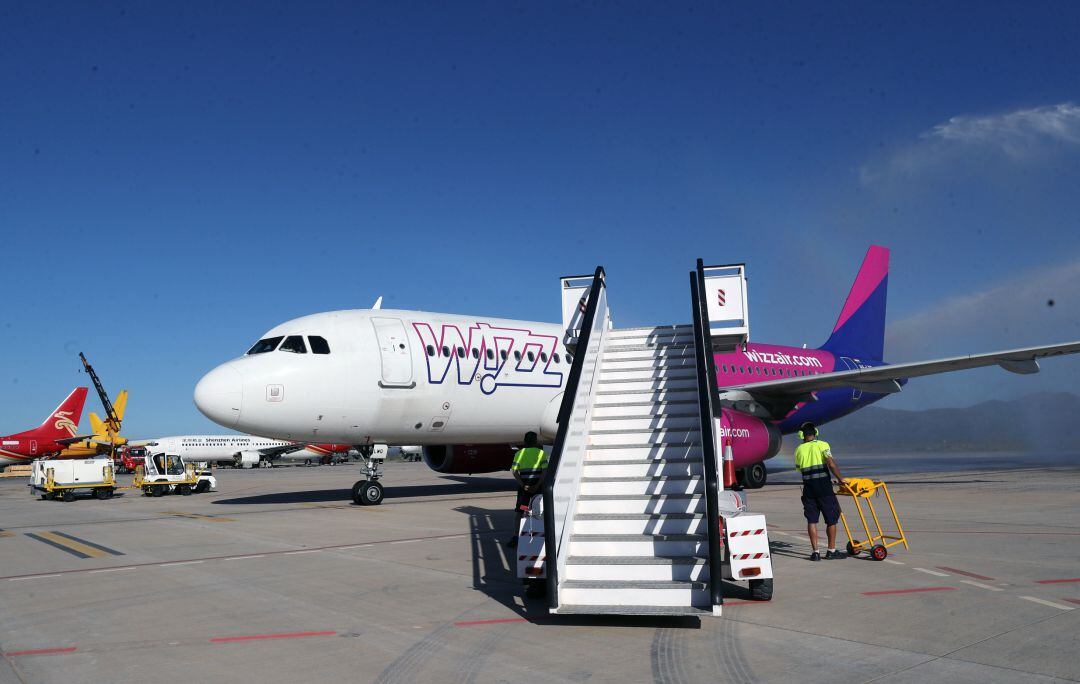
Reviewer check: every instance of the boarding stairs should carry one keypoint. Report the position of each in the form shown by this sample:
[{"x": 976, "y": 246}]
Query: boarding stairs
[
  {"x": 635, "y": 477},
  {"x": 638, "y": 542}
]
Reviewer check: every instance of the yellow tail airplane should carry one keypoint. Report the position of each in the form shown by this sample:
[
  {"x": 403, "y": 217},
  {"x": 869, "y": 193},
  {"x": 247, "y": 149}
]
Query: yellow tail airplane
[{"x": 106, "y": 433}]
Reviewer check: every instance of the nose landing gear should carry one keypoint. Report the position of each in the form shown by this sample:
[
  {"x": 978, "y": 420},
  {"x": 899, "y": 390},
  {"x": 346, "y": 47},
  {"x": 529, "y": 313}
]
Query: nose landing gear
[{"x": 368, "y": 491}]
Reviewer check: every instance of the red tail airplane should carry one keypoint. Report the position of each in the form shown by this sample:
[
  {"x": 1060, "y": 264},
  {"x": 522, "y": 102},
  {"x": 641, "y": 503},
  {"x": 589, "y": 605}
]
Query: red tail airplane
[{"x": 49, "y": 438}]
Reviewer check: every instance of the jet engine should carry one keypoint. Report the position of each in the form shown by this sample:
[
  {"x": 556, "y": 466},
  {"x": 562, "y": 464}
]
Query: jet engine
[
  {"x": 469, "y": 458},
  {"x": 752, "y": 440},
  {"x": 247, "y": 459}
]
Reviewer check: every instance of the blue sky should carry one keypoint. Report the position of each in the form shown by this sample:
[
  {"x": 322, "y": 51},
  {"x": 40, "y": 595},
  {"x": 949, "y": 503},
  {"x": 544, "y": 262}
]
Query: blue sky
[{"x": 176, "y": 179}]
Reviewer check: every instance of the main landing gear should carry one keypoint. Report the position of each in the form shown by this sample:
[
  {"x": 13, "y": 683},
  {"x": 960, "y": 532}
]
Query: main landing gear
[{"x": 368, "y": 491}]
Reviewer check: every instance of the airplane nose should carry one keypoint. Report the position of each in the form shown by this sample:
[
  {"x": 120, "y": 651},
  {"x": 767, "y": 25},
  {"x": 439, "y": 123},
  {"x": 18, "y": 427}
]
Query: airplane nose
[{"x": 219, "y": 395}]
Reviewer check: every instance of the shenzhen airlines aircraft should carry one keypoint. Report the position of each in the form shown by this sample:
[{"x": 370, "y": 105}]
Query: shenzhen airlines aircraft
[
  {"x": 243, "y": 451},
  {"x": 50, "y": 438},
  {"x": 466, "y": 388}
]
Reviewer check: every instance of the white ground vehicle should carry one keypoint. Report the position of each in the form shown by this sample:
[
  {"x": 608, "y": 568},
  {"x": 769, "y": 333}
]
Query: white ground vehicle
[
  {"x": 163, "y": 473},
  {"x": 64, "y": 478}
]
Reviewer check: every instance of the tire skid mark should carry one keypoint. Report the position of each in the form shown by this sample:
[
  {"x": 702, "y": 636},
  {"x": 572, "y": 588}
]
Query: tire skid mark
[
  {"x": 407, "y": 666},
  {"x": 472, "y": 664},
  {"x": 669, "y": 657},
  {"x": 732, "y": 659}
]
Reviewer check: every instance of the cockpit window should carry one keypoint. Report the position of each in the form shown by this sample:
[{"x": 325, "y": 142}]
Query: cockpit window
[
  {"x": 294, "y": 344},
  {"x": 268, "y": 344},
  {"x": 319, "y": 345}
]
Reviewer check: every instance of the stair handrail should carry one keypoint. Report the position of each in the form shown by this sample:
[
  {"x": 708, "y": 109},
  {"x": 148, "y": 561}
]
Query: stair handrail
[
  {"x": 708, "y": 401},
  {"x": 587, "y": 351}
]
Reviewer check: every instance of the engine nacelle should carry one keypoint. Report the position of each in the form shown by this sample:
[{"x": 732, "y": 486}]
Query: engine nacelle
[
  {"x": 247, "y": 459},
  {"x": 469, "y": 458},
  {"x": 752, "y": 439}
]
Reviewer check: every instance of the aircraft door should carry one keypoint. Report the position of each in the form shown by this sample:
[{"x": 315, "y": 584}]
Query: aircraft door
[
  {"x": 33, "y": 446},
  {"x": 397, "y": 365},
  {"x": 849, "y": 364}
]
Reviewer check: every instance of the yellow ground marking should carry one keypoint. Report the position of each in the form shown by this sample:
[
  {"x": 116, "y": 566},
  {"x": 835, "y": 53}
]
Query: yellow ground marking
[
  {"x": 73, "y": 545},
  {"x": 196, "y": 516}
]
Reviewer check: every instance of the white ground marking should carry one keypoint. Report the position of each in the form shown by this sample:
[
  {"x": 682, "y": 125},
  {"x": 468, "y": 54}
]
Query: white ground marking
[
  {"x": 295, "y": 553},
  {"x": 16, "y": 579},
  {"x": 246, "y": 557},
  {"x": 406, "y": 541},
  {"x": 935, "y": 573},
  {"x": 894, "y": 562},
  {"x": 1046, "y": 603},
  {"x": 981, "y": 585},
  {"x": 165, "y": 565},
  {"x": 111, "y": 570}
]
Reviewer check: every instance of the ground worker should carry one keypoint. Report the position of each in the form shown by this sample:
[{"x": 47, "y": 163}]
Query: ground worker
[
  {"x": 529, "y": 468},
  {"x": 814, "y": 460}
]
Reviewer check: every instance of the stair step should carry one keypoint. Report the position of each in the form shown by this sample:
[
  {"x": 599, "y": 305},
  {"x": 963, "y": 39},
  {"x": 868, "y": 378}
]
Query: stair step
[
  {"x": 639, "y": 523},
  {"x": 659, "y": 354},
  {"x": 640, "y": 461},
  {"x": 641, "y": 503},
  {"x": 671, "y": 593},
  {"x": 647, "y": 384},
  {"x": 634, "y": 452},
  {"x": 567, "y": 609},
  {"x": 644, "y": 437},
  {"x": 624, "y": 545},
  {"x": 675, "y": 421},
  {"x": 644, "y": 373},
  {"x": 646, "y": 363},
  {"x": 646, "y": 396},
  {"x": 642, "y": 485},
  {"x": 628, "y": 332},
  {"x": 651, "y": 469},
  {"x": 637, "y": 560}
]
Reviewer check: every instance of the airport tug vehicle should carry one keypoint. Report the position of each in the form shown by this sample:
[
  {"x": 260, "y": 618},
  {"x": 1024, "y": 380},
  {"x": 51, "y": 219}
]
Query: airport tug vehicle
[
  {"x": 63, "y": 479},
  {"x": 161, "y": 474},
  {"x": 640, "y": 511}
]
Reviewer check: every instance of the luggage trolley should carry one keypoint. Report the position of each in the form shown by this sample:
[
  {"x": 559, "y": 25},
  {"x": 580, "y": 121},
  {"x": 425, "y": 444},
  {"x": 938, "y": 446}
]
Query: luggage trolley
[{"x": 865, "y": 488}]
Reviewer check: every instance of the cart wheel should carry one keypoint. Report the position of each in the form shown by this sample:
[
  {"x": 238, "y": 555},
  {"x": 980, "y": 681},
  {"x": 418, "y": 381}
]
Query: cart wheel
[
  {"x": 44, "y": 497},
  {"x": 761, "y": 589},
  {"x": 202, "y": 486},
  {"x": 184, "y": 490},
  {"x": 851, "y": 550},
  {"x": 101, "y": 494},
  {"x": 158, "y": 491},
  {"x": 68, "y": 495},
  {"x": 879, "y": 552},
  {"x": 148, "y": 491}
]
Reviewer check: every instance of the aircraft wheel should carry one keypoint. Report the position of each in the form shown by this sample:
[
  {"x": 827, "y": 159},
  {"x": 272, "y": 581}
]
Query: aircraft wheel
[
  {"x": 879, "y": 552},
  {"x": 755, "y": 476},
  {"x": 761, "y": 589},
  {"x": 370, "y": 493}
]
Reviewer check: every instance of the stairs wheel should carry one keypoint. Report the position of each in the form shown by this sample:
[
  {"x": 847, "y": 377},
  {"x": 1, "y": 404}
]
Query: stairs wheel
[
  {"x": 755, "y": 476},
  {"x": 761, "y": 589}
]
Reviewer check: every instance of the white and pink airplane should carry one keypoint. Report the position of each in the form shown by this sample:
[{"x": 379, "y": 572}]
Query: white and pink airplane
[{"x": 467, "y": 388}]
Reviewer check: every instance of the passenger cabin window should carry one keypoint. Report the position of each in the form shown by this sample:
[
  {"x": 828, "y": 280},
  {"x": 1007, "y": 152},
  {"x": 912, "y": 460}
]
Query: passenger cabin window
[
  {"x": 318, "y": 344},
  {"x": 294, "y": 344},
  {"x": 475, "y": 353},
  {"x": 265, "y": 345},
  {"x": 430, "y": 350},
  {"x": 446, "y": 351},
  {"x": 555, "y": 357},
  {"x": 461, "y": 352},
  {"x": 490, "y": 354}
]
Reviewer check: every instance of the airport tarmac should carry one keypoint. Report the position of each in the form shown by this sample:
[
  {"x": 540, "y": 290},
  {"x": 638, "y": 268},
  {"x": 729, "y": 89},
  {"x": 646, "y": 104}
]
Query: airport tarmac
[{"x": 278, "y": 578}]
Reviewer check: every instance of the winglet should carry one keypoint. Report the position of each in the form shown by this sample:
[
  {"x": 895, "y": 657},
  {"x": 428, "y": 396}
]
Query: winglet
[{"x": 377, "y": 304}]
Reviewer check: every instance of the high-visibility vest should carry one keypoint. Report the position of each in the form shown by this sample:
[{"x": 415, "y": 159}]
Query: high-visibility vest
[
  {"x": 810, "y": 459},
  {"x": 530, "y": 461}
]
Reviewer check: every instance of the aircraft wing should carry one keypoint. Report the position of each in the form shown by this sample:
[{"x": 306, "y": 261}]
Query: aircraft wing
[
  {"x": 67, "y": 441},
  {"x": 274, "y": 452},
  {"x": 884, "y": 379}
]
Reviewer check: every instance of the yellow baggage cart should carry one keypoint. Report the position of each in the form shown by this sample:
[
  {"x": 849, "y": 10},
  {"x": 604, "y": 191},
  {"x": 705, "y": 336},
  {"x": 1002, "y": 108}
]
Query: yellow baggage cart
[{"x": 859, "y": 488}]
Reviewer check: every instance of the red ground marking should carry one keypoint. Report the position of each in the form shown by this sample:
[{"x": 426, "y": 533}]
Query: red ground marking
[
  {"x": 1076, "y": 601},
  {"x": 1059, "y": 581},
  {"x": 964, "y": 572},
  {"x": 40, "y": 651},
  {"x": 471, "y": 623},
  {"x": 257, "y": 637},
  {"x": 906, "y": 591}
]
